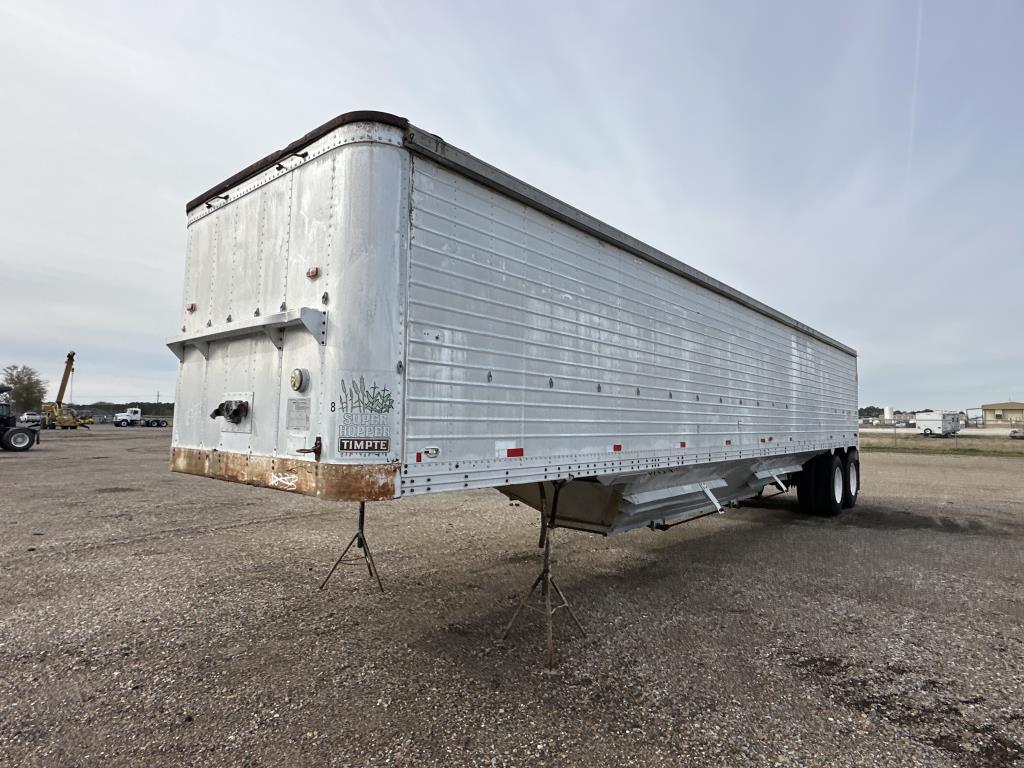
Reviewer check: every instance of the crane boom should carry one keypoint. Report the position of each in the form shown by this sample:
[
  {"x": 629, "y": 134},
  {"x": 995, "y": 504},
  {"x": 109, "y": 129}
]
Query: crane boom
[{"x": 68, "y": 367}]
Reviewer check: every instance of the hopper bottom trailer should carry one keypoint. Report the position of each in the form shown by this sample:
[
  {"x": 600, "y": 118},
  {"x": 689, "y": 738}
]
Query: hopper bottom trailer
[{"x": 371, "y": 313}]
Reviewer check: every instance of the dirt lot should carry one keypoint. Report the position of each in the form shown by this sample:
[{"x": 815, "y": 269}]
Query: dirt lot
[{"x": 157, "y": 619}]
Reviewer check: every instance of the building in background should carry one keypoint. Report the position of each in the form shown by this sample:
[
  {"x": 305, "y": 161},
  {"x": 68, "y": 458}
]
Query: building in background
[{"x": 1008, "y": 414}]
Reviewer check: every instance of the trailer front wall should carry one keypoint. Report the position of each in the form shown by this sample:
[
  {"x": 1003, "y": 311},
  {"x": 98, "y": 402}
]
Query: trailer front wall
[
  {"x": 326, "y": 232},
  {"x": 533, "y": 345}
]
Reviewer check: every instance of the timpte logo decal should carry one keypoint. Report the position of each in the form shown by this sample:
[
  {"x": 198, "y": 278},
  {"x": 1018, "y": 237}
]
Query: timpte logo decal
[{"x": 362, "y": 445}]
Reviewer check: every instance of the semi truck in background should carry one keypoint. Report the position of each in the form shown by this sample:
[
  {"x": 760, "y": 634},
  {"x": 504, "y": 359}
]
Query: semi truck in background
[{"x": 133, "y": 417}]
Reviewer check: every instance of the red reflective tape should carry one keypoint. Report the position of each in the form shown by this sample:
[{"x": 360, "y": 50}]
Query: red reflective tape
[
  {"x": 419, "y": 456},
  {"x": 616, "y": 447},
  {"x": 682, "y": 444},
  {"x": 514, "y": 453}
]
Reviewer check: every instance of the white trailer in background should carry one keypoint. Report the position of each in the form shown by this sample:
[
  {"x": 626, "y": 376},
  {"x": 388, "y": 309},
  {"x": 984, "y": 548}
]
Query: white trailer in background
[
  {"x": 940, "y": 423},
  {"x": 371, "y": 313}
]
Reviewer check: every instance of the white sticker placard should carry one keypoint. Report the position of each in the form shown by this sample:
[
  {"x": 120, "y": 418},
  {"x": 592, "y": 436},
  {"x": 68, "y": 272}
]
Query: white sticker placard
[{"x": 297, "y": 417}]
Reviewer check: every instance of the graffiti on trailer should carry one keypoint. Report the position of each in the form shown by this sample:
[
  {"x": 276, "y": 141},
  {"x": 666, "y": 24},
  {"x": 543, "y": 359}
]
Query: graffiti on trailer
[
  {"x": 287, "y": 481},
  {"x": 358, "y": 398}
]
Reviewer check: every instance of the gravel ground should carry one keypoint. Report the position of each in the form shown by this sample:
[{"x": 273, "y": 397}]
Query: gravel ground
[{"x": 157, "y": 619}]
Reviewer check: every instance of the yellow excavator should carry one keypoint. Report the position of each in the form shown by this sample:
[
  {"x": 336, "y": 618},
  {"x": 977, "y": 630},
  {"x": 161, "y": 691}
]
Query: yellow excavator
[{"x": 56, "y": 414}]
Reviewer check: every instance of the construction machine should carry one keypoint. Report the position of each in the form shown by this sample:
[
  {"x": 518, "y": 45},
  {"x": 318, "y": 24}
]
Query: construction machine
[{"x": 56, "y": 414}]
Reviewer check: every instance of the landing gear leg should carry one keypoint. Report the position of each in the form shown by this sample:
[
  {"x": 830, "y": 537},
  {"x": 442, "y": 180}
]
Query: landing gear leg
[
  {"x": 548, "y": 587},
  {"x": 359, "y": 539}
]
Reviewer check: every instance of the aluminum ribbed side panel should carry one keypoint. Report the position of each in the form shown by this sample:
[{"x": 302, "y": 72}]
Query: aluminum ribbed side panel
[{"x": 526, "y": 333}]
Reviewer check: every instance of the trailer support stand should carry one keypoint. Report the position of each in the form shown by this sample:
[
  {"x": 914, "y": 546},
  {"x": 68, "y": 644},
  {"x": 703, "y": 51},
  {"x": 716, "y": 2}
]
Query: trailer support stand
[
  {"x": 359, "y": 539},
  {"x": 548, "y": 589}
]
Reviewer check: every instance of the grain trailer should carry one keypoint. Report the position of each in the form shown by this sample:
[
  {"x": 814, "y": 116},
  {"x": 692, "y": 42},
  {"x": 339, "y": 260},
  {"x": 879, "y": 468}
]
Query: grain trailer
[{"x": 371, "y": 313}]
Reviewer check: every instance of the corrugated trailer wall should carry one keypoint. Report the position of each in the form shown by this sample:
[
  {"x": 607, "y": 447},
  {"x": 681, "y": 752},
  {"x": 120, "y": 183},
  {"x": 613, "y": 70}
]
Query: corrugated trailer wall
[{"x": 529, "y": 338}]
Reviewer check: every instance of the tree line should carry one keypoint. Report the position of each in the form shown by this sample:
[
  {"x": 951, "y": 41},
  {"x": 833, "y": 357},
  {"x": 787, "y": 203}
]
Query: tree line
[{"x": 875, "y": 412}]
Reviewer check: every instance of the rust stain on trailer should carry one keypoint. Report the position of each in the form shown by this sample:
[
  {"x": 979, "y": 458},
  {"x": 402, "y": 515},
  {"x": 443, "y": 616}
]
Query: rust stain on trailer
[{"x": 334, "y": 482}]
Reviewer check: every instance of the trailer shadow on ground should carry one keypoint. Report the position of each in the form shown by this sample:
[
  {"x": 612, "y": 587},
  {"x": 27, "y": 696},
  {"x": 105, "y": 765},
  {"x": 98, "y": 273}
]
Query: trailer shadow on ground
[
  {"x": 663, "y": 577},
  {"x": 876, "y": 517}
]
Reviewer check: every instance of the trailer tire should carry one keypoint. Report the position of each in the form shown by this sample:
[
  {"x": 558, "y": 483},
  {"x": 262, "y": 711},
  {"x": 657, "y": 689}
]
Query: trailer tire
[
  {"x": 806, "y": 485},
  {"x": 163, "y": 422},
  {"x": 830, "y": 484},
  {"x": 928, "y": 432},
  {"x": 851, "y": 478},
  {"x": 18, "y": 439}
]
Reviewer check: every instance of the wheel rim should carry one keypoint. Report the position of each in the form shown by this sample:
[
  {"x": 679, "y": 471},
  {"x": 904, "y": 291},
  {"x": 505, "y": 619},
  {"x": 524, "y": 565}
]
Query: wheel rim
[
  {"x": 837, "y": 484},
  {"x": 854, "y": 480},
  {"x": 20, "y": 440}
]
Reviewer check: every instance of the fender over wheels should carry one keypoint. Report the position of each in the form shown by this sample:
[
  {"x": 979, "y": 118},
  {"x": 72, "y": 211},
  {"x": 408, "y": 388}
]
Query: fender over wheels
[
  {"x": 851, "y": 478},
  {"x": 17, "y": 439}
]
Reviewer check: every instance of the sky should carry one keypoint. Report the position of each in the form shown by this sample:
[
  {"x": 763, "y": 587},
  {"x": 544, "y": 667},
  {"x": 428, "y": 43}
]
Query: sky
[{"x": 858, "y": 166}]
